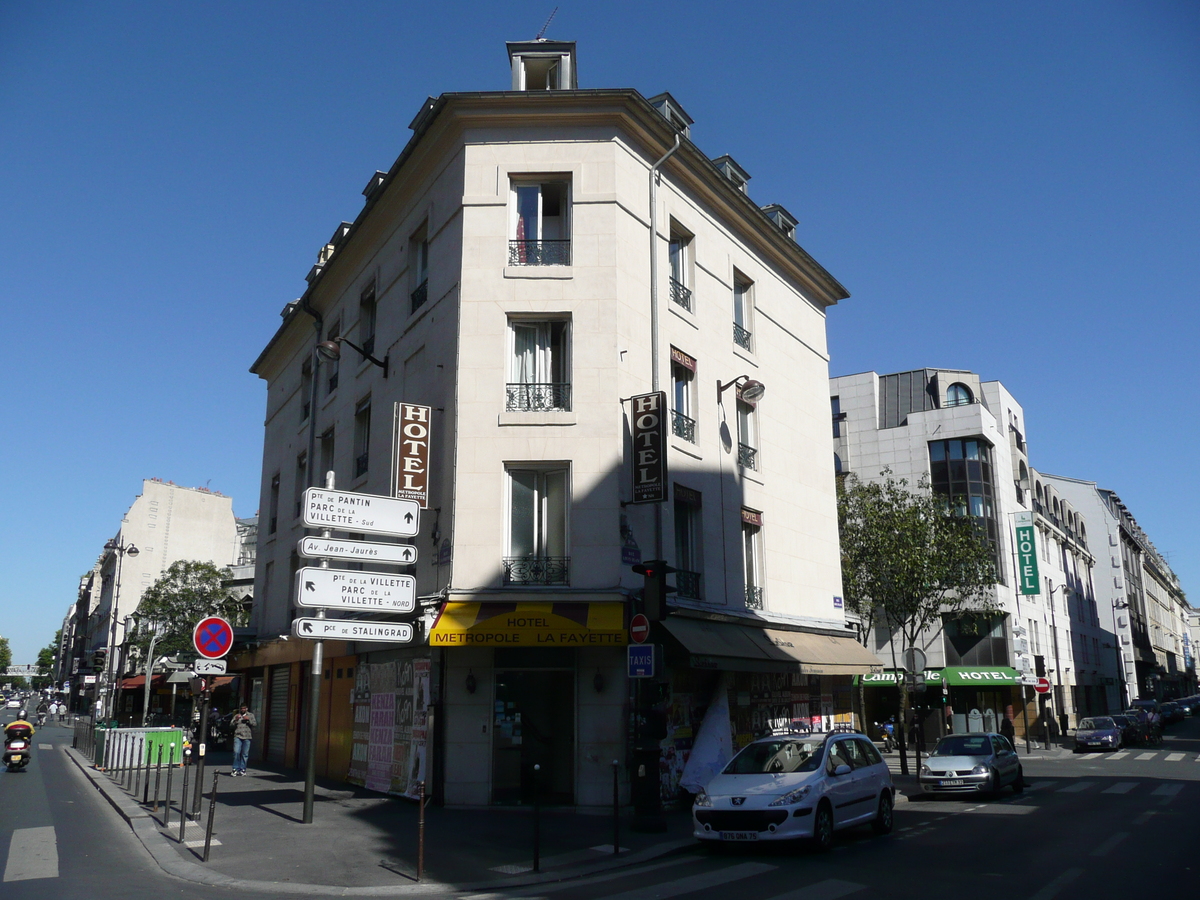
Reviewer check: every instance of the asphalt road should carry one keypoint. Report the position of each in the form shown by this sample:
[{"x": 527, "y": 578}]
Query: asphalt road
[{"x": 1092, "y": 826}]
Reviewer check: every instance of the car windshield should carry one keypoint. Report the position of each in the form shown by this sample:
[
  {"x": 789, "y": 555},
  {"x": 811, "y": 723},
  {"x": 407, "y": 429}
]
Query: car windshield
[
  {"x": 1101, "y": 723},
  {"x": 964, "y": 745},
  {"x": 780, "y": 755}
]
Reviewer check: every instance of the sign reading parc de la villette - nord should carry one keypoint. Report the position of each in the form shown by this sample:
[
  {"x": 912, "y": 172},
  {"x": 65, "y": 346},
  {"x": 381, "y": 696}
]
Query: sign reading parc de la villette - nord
[{"x": 649, "y": 447}]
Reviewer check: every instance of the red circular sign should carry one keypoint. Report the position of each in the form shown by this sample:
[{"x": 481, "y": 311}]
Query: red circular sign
[
  {"x": 1042, "y": 686},
  {"x": 213, "y": 637},
  {"x": 639, "y": 628}
]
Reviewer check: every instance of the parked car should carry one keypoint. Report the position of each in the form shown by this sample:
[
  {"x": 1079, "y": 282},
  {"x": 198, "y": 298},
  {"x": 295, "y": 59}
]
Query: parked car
[
  {"x": 1098, "y": 733},
  {"x": 980, "y": 763},
  {"x": 1131, "y": 729},
  {"x": 1171, "y": 713},
  {"x": 797, "y": 786}
]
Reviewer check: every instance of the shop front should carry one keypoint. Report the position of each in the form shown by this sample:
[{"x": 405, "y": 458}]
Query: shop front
[{"x": 956, "y": 699}]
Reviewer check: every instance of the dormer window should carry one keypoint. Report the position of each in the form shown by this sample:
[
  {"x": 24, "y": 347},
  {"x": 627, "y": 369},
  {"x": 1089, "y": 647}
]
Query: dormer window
[
  {"x": 731, "y": 170},
  {"x": 785, "y": 221},
  {"x": 542, "y": 65},
  {"x": 673, "y": 113}
]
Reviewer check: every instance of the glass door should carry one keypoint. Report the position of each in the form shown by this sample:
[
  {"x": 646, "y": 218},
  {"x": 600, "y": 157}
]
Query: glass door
[{"x": 533, "y": 723}]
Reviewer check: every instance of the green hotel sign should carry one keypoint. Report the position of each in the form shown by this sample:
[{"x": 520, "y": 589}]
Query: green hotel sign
[{"x": 1027, "y": 566}]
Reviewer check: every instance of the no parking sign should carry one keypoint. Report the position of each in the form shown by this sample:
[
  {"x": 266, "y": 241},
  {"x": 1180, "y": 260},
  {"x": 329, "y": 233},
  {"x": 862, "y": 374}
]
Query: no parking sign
[{"x": 213, "y": 637}]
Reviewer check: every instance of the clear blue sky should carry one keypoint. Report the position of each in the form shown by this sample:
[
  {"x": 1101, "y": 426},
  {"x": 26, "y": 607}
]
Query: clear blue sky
[{"x": 1010, "y": 188}]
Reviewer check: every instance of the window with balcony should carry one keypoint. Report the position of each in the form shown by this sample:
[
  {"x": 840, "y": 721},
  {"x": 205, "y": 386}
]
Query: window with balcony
[
  {"x": 273, "y": 505},
  {"x": 683, "y": 384},
  {"x": 752, "y": 558},
  {"x": 539, "y": 377},
  {"x": 366, "y": 319},
  {"x": 418, "y": 253},
  {"x": 747, "y": 438},
  {"x": 332, "y": 366},
  {"x": 537, "y": 527},
  {"x": 305, "y": 389},
  {"x": 362, "y": 436},
  {"x": 689, "y": 535},
  {"x": 743, "y": 301},
  {"x": 301, "y": 482},
  {"x": 679, "y": 252},
  {"x": 539, "y": 229}
]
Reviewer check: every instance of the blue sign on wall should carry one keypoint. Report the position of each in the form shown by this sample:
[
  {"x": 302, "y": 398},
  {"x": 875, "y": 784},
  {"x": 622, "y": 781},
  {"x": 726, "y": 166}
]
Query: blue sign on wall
[{"x": 641, "y": 660}]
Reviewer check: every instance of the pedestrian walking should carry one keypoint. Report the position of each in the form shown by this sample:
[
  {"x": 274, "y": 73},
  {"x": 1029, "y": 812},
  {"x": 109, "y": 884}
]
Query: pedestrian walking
[
  {"x": 1006, "y": 729},
  {"x": 243, "y": 725},
  {"x": 52, "y": 712}
]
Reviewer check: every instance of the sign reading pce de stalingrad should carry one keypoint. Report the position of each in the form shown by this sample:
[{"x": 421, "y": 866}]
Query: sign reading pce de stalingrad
[
  {"x": 1027, "y": 565},
  {"x": 368, "y": 513},
  {"x": 363, "y": 551},
  {"x": 649, "y": 447},
  {"x": 347, "y": 589},
  {"x": 410, "y": 441},
  {"x": 351, "y": 630}
]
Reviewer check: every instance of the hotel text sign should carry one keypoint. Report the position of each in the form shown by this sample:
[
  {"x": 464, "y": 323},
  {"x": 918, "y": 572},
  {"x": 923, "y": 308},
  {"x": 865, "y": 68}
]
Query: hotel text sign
[
  {"x": 1027, "y": 565},
  {"x": 649, "y": 447},
  {"x": 410, "y": 448}
]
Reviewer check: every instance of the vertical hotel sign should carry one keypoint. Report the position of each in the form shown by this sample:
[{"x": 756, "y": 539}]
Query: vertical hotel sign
[
  {"x": 1027, "y": 566},
  {"x": 410, "y": 453},
  {"x": 649, "y": 447}
]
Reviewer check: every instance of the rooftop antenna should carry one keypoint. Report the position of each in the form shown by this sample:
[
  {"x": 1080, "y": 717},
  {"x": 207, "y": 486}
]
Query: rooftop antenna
[{"x": 547, "y": 25}]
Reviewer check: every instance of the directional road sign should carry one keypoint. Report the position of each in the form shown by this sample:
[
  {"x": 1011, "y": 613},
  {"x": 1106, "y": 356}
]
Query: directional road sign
[
  {"x": 360, "y": 551},
  {"x": 209, "y": 667},
  {"x": 213, "y": 637},
  {"x": 347, "y": 589},
  {"x": 368, "y": 513},
  {"x": 350, "y": 630}
]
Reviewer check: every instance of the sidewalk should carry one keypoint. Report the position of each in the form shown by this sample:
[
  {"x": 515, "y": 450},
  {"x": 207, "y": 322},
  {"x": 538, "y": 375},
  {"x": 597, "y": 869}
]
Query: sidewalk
[{"x": 364, "y": 843}]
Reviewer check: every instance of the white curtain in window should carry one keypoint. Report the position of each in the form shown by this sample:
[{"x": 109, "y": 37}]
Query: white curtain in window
[
  {"x": 538, "y": 515},
  {"x": 525, "y": 353}
]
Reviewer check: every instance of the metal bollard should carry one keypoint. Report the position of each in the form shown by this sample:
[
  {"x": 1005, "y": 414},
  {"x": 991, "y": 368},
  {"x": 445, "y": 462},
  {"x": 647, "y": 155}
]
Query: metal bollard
[
  {"x": 170, "y": 772},
  {"x": 537, "y": 822},
  {"x": 157, "y": 778},
  {"x": 183, "y": 810},
  {"x": 137, "y": 766},
  {"x": 616, "y": 808},
  {"x": 122, "y": 759},
  {"x": 420, "y": 830},
  {"x": 149, "y": 755},
  {"x": 212, "y": 809}
]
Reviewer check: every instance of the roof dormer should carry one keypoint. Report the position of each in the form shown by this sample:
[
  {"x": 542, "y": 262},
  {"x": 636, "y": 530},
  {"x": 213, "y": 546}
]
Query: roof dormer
[
  {"x": 673, "y": 113},
  {"x": 542, "y": 65},
  {"x": 731, "y": 170},
  {"x": 781, "y": 217}
]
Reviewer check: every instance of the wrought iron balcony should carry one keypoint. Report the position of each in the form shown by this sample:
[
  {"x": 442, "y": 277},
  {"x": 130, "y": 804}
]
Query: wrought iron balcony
[
  {"x": 420, "y": 295},
  {"x": 682, "y": 426},
  {"x": 539, "y": 253},
  {"x": 754, "y": 596},
  {"x": 681, "y": 295},
  {"x": 687, "y": 584},
  {"x": 554, "y": 397},
  {"x": 747, "y": 457},
  {"x": 368, "y": 345},
  {"x": 537, "y": 570},
  {"x": 360, "y": 465},
  {"x": 741, "y": 336}
]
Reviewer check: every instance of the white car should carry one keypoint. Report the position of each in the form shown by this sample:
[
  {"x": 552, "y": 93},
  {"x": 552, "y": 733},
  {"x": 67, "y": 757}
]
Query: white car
[
  {"x": 13, "y": 704},
  {"x": 797, "y": 786}
]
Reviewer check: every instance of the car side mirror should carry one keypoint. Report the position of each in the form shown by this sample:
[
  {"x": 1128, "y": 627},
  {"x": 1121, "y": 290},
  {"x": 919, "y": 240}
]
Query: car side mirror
[{"x": 842, "y": 770}]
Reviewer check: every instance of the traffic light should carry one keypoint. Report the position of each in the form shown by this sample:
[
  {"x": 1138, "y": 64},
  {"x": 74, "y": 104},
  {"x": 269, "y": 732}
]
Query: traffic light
[
  {"x": 655, "y": 588},
  {"x": 99, "y": 658}
]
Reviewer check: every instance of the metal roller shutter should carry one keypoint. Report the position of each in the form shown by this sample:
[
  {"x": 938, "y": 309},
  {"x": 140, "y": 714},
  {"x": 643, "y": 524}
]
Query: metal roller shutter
[{"x": 277, "y": 714}]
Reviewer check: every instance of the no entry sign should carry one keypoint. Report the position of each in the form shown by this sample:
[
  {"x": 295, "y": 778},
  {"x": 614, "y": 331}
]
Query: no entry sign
[
  {"x": 639, "y": 629},
  {"x": 213, "y": 637},
  {"x": 1042, "y": 686}
]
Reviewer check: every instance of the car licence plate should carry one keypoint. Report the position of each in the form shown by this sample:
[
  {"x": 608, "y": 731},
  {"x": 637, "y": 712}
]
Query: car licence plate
[
  {"x": 950, "y": 782},
  {"x": 739, "y": 835}
]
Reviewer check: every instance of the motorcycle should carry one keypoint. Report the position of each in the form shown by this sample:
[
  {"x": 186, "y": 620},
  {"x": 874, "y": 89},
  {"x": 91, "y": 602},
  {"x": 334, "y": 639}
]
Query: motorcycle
[
  {"x": 888, "y": 730},
  {"x": 17, "y": 746}
]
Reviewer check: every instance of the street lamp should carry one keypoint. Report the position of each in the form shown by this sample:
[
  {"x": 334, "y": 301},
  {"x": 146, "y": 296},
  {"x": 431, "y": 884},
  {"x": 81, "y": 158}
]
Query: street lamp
[{"x": 118, "y": 546}]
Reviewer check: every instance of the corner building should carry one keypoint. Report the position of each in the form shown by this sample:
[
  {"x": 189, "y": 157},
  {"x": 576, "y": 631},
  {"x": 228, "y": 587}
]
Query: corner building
[{"x": 502, "y": 269}]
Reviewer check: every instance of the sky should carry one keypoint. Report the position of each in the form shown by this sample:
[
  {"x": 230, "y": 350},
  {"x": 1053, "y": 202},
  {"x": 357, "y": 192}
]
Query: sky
[{"x": 1009, "y": 188}]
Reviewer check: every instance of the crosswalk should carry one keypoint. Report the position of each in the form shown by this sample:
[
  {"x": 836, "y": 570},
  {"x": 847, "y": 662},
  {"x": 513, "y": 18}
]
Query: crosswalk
[
  {"x": 1054, "y": 785},
  {"x": 32, "y": 853},
  {"x": 1140, "y": 757}
]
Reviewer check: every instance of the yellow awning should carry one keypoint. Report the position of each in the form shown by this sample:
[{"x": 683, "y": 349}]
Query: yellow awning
[{"x": 529, "y": 625}]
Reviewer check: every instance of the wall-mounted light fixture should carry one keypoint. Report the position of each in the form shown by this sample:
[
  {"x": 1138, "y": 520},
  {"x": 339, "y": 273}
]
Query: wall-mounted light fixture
[
  {"x": 332, "y": 351},
  {"x": 748, "y": 389}
]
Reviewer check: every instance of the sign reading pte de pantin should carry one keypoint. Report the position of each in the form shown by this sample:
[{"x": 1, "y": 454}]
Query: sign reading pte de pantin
[
  {"x": 1027, "y": 566},
  {"x": 649, "y": 447},
  {"x": 368, "y": 513},
  {"x": 410, "y": 443}
]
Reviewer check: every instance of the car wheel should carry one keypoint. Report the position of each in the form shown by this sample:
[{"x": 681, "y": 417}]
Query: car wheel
[
  {"x": 994, "y": 785},
  {"x": 884, "y": 820},
  {"x": 1019, "y": 781},
  {"x": 823, "y": 827}
]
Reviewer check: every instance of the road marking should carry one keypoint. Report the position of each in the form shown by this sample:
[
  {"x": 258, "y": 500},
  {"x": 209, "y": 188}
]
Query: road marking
[
  {"x": 1167, "y": 790},
  {"x": 562, "y": 859},
  {"x": 1149, "y": 755},
  {"x": 51, "y": 747},
  {"x": 1144, "y": 817},
  {"x": 1175, "y": 757},
  {"x": 694, "y": 882},
  {"x": 1041, "y": 785},
  {"x": 1108, "y": 846},
  {"x": 1076, "y": 787},
  {"x": 1121, "y": 787},
  {"x": 1057, "y": 884},
  {"x": 32, "y": 853},
  {"x": 830, "y": 889},
  {"x": 213, "y": 843},
  {"x": 1090, "y": 756},
  {"x": 1120, "y": 755}
]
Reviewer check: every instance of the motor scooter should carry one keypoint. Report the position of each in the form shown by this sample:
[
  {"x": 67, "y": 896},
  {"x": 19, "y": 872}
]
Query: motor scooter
[
  {"x": 17, "y": 746},
  {"x": 888, "y": 729}
]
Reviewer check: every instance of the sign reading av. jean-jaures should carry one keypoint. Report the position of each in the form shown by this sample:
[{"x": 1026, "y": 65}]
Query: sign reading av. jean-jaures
[
  {"x": 1027, "y": 565},
  {"x": 649, "y": 447}
]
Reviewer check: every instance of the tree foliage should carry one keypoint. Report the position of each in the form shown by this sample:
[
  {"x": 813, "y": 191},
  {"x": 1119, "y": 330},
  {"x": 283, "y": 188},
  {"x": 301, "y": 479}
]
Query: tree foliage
[
  {"x": 183, "y": 595},
  {"x": 45, "y": 661},
  {"x": 5, "y": 654}
]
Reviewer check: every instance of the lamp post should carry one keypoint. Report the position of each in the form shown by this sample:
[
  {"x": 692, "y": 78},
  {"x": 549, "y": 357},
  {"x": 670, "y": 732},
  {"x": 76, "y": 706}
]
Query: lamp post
[
  {"x": 149, "y": 673},
  {"x": 118, "y": 546}
]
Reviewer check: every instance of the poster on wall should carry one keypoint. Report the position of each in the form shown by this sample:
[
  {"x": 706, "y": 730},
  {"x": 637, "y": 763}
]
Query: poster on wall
[{"x": 391, "y": 726}]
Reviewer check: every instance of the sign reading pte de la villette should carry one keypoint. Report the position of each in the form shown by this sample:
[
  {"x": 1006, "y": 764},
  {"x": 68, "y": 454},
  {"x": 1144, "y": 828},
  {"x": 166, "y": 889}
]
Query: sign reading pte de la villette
[{"x": 649, "y": 447}]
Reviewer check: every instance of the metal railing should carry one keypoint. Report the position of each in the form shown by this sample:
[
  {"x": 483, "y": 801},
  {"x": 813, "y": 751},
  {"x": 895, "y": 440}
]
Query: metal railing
[
  {"x": 368, "y": 345},
  {"x": 538, "y": 397},
  {"x": 747, "y": 457},
  {"x": 537, "y": 570},
  {"x": 687, "y": 584},
  {"x": 420, "y": 295},
  {"x": 754, "y": 596},
  {"x": 681, "y": 295},
  {"x": 539, "y": 253},
  {"x": 360, "y": 464},
  {"x": 741, "y": 336},
  {"x": 683, "y": 426}
]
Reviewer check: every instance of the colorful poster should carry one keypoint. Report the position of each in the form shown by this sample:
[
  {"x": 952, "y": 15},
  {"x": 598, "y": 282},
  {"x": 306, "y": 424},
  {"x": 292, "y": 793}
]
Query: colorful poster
[{"x": 381, "y": 742}]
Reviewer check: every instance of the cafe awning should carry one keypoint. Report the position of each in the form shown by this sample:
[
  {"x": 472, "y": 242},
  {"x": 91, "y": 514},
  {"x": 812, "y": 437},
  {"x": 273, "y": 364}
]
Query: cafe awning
[
  {"x": 955, "y": 676},
  {"x": 529, "y": 624},
  {"x": 733, "y": 647}
]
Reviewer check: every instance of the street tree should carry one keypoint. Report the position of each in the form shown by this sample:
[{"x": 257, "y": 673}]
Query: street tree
[
  {"x": 907, "y": 562},
  {"x": 183, "y": 595},
  {"x": 5, "y": 655},
  {"x": 45, "y": 662}
]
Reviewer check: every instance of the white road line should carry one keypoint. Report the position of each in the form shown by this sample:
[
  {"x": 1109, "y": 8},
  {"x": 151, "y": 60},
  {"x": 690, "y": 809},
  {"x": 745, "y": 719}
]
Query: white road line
[
  {"x": 1120, "y": 754},
  {"x": 1076, "y": 787},
  {"x": 32, "y": 853},
  {"x": 1052, "y": 889},
  {"x": 1041, "y": 785},
  {"x": 1090, "y": 756},
  {"x": 1149, "y": 755},
  {"x": 213, "y": 843},
  {"x": 1108, "y": 846},
  {"x": 830, "y": 889},
  {"x": 45, "y": 746},
  {"x": 1121, "y": 787},
  {"x": 694, "y": 882},
  {"x": 1167, "y": 790},
  {"x": 1144, "y": 817},
  {"x": 1175, "y": 757}
]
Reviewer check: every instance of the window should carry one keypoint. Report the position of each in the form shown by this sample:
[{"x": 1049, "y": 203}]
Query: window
[
  {"x": 747, "y": 451},
  {"x": 742, "y": 301},
  {"x": 689, "y": 535},
  {"x": 362, "y": 436},
  {"x": 301, "y": 481},
  {"x": 419, "y": 261},
  {"x": 539, "y": 376},
  {"x": 835, "y": 404},
  {"x": 273, "y": 521},
  {"x": 305, "y": 389},
  {"x": 958, "y": 395},
  {"x": 539, "y": 232},
  {"x": 366, "y": 320},
  {"x": 683, "y": 384},
  {"x": 960, "y": 471},
  {"x": 332, "y": 366},
  {"x": 537, "y": 527},
  {"x": 327, "y": 457},
  {"x": 975, "y": 641},
  {"x": 679, "y": 252},
  {"x": 752, "y": 557}
]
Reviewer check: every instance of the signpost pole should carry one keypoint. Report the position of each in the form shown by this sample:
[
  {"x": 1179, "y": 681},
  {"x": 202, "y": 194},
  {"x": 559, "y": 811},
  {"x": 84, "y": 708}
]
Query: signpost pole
[
  {"x": 314, "y": 699},
  {"x": 1025, "y": 719}
]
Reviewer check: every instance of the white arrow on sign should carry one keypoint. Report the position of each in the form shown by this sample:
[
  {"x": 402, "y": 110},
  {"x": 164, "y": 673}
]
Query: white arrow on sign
[
  {"x": 368, "y": 513},
  {"x": 362, "y": 551},
  {"x": 209, "y": 667},
  {"x": 346, "y": 589},
  {"x": 351, "y": 630}
]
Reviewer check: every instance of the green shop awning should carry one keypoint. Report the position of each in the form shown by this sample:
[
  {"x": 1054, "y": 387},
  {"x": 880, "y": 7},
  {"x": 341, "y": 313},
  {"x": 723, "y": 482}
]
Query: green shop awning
[{"x": 955, "y": 676}]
